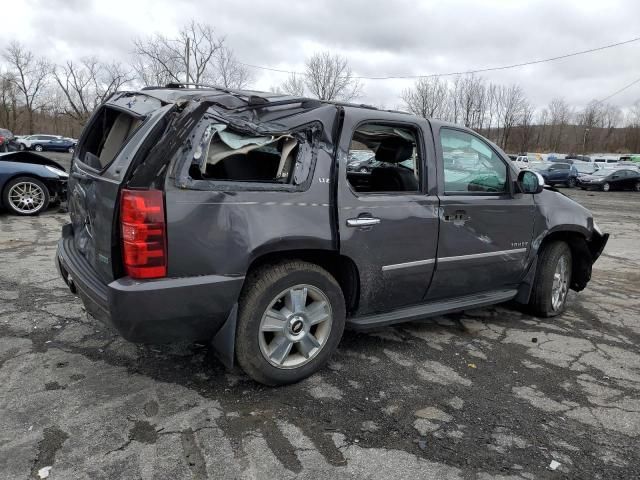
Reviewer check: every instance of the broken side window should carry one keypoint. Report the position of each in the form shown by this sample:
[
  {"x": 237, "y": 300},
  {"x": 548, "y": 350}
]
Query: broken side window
[{"x": 230, "y": 156}]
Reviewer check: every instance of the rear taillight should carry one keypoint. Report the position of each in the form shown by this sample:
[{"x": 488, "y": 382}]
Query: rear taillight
[
  {"x": 1, "y": 139},
  {"x": 143, "y": 230}
]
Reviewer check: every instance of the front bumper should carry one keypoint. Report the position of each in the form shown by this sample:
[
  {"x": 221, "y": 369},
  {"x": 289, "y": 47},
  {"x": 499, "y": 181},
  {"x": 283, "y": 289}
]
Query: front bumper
[{"x": 153, "y": 311}]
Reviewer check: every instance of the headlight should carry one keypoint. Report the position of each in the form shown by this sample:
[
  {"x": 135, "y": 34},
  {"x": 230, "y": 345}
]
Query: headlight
[{"x": 57, "y": 171}]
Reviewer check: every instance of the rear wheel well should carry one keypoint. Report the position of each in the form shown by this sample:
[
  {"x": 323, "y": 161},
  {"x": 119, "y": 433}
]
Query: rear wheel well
[
  {"x": 581, "y": 256},
  {"x": 343, "y": 269}
]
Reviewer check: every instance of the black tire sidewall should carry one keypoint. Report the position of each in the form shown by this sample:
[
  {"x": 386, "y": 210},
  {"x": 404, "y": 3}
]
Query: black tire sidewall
[
  {"x": 11, "y": 183},
  {"x": 250, "y": 312}
]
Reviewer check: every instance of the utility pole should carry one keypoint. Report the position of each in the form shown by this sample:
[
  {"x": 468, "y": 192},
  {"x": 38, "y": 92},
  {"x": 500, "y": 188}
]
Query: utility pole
[{"x": 187, "y": 55}]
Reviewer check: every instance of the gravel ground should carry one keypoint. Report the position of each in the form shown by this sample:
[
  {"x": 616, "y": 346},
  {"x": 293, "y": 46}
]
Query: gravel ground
[{"x": 491, "y": 393}]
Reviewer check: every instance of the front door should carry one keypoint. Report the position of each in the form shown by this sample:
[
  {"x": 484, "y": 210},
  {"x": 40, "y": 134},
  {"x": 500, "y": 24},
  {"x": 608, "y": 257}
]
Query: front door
[
  {"x": 388, "y": 215},
  {"x": 485, "y": 227}
]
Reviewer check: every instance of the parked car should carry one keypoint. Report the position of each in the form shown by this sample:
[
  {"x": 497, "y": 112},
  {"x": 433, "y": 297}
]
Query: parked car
[
  {"x": 29, "y": 183},
  {"x": 605, "y": 180},
  {"x": 231, "y": 218},
  {"x": 606, "y": 162},
  {"x": 559, "y": 172},
  {"x": 582, "y": 158},
  {"x": 361, "y": 161},
  {"x": 41, "y": 143},
  {"x": 585, "y": 168},
  {"x": 7, "y": 141}
]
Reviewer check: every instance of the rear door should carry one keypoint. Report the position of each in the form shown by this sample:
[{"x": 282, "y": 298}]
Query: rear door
[
  {"x": 388, "y": 216},
  {"x": 486, "y": 226},
  {"x": 98, "y": 169}
]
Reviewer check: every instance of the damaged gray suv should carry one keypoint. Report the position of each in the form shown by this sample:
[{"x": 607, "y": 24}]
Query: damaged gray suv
[{"x": 205, "y": 214}]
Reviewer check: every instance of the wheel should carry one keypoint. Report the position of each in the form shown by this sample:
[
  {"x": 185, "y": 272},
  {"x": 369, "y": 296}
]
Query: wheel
[
  {"x": 553, "y": 278},
  {"x": 37, "y": 148},
  {"x": 26, "y": 196},
  {"x": 290, "y": 320},
  {"x": 572, "y": 183},
  {"x": 606, "y": 187},
  {"x": 70, "y": 149},
  {"x": 363, "y": 169},
  {"x": 637, "y": 187},
  {"x": 22, "y": 147}
]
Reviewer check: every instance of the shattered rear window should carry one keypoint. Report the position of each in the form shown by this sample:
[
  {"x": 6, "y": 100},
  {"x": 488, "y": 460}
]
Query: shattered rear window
[{"x": 226, "y": 155}]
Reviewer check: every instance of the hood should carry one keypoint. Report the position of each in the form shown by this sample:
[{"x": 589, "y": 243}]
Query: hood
[{"x": 30, "y": 157}]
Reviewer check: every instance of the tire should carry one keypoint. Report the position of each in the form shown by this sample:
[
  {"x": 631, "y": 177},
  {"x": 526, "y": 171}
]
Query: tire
[
  {"x": 606, "y": 187},
  {"x": 542, "y": 301},
  {"x": 19, "y": 189},
  {"x": 363, "y": 169},
  {"x": 637, "y": 187},
  {"x": 254, "y": 338},
  {"x": 38, "y": 148},
  {"x": 71, "y": 150},
  {"x": 22, "y": 147},
  {"x": 572, "y": 183}
]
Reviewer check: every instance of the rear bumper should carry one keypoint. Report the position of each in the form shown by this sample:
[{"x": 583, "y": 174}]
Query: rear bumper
[{"x": 153, "y": 311}]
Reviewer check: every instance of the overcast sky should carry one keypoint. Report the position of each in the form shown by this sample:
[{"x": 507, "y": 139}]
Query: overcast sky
[{"x": 399, "y": 37}]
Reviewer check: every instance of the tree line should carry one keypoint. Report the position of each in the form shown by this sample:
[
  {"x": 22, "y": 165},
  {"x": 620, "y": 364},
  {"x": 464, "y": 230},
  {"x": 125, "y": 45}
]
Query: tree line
[{"x": 37, "y": 95}]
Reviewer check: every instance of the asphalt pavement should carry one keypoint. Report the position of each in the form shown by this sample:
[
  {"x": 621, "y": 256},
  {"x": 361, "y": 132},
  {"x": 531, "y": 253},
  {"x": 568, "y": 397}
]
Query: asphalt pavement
[{"x": 489, "y": 393}]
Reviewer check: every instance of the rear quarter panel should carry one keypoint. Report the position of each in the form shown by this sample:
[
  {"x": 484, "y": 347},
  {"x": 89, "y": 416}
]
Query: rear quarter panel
[{"x": 222, "y": 232}]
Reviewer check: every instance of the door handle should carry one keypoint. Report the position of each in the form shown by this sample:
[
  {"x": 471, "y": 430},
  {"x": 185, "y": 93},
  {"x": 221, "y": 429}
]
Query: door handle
[{"x": 362, "y": 222}]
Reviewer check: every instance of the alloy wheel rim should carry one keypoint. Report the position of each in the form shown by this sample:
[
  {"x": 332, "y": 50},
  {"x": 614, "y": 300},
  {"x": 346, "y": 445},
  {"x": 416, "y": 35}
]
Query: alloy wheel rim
[
  {"x": 605, "y": 187},
  {"x": 26, "y": 197},
  {"x": 295, "y": 326},
  {"x": 560, "y": 283}
]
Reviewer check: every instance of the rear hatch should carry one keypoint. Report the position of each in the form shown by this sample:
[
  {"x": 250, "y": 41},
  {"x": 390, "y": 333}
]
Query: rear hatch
[{"x": 99, "y": 169}]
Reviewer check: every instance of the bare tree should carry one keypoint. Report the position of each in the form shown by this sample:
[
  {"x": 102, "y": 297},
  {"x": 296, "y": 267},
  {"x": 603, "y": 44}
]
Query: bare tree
[
  {"x": 329, "y": 77},
  {"x": 559, "y": 117},
  {"x": 589, "y": 119},
  {"x": 187, "y": 58},
  {"x": 611, "y": 117},
  {"x": 30, "y": 76},
  {"x": 87, "y": 84},
  {"x": 512, "y": 103},
  {"x": 427, "y": 98},
  {"x": 8, "y": 101},
  {"x": 229, "y": 72},
  {"x": 632, "y": 130},
  {"x": 526, "y": 127},
  {"x": 293, "y": 85}
]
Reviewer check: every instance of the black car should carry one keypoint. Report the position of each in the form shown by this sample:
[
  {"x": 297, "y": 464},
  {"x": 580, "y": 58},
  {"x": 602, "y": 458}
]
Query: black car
[
  {"x": 230, "y": 217},
  {"x": 605, "y": 180},
  {"x": 29, "y": 182}
]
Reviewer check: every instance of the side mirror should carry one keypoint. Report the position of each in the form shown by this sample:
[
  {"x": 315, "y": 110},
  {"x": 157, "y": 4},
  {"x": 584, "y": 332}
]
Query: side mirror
[{"x": 530, "y": 181}]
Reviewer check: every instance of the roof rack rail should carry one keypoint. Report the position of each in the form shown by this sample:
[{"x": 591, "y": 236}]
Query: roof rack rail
[{"x": 188, "y": 84}]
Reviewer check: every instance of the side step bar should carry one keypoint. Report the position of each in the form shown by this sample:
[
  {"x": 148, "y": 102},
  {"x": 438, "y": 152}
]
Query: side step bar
[{"x": 440, "y": 307}]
